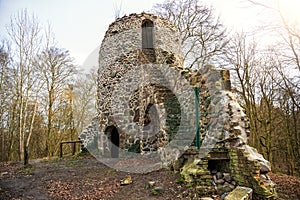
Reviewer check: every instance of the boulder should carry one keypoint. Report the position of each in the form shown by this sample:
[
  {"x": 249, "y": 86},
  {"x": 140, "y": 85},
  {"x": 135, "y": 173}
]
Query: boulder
[
  {"x": 227, "y": 177},
  {"x": 265, "y": 165},
  {"x": 219, "y": 175}
]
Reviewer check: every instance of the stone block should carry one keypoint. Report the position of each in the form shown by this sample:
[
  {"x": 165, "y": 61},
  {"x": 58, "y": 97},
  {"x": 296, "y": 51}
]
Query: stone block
[{"x": 240, "y": 193}]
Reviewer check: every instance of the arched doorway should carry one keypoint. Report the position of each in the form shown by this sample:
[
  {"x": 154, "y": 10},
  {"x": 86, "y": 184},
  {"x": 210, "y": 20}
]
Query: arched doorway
[{"x": 113, "y": 135}]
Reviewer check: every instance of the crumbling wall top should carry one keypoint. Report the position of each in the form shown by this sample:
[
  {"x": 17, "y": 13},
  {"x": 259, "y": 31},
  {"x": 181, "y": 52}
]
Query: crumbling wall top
[{"x": 134, "y": 21}]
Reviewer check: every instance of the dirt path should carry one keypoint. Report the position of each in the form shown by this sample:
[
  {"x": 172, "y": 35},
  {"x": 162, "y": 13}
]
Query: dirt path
[
  {"x": 87, "y": 178},
  {"x": 83, "y": 178}
]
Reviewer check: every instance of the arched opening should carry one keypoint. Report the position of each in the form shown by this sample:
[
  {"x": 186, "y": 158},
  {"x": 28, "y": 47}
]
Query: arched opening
[
  {"x": 147, "y": 34},
  {"x": 113, "y": 135},
  {"x": 160, "y": 115}
]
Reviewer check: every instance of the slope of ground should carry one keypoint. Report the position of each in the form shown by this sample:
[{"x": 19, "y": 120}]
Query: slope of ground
[{"x": 86, "y": 178}]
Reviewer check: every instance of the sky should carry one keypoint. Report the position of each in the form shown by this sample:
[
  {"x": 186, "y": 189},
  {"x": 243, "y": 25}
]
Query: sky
[{"x": 79, "y": 26}]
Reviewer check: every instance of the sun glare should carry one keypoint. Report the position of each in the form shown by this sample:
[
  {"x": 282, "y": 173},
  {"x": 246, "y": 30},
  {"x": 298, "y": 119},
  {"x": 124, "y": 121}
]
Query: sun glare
[{"x": 290, "y": 9}]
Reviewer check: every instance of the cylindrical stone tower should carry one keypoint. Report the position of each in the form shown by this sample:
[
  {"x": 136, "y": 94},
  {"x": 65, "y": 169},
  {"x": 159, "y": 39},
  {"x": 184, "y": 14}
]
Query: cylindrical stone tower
[{"x": 137, "y": 109}]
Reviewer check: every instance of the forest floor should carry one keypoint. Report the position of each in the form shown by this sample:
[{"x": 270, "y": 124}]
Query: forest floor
[{"x": 84, "y": 177}]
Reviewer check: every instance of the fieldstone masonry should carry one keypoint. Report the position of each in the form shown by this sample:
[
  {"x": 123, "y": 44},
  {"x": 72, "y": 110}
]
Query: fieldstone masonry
[{"x": 146, "y": 103}]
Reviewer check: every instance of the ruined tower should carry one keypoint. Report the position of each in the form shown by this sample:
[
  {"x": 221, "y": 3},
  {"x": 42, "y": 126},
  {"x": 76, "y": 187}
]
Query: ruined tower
[
  {"x": 147, "y": 102},
  {"x": 139, "y": 63}
]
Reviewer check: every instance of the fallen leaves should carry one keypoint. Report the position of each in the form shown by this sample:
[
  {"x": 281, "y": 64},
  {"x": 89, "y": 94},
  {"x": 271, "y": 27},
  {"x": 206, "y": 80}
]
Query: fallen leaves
[
  {"x": 286, "y": 186},
  {"x": 85, "y": 189},
  {"x": 89, "y": 179}
]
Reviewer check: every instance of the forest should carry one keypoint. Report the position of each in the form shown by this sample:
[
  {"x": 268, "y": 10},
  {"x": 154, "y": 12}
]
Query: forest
[{"x": 45, "y": 98}]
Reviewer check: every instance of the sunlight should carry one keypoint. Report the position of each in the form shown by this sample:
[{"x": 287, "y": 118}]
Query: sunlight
[{"x": 290, "y": 9}]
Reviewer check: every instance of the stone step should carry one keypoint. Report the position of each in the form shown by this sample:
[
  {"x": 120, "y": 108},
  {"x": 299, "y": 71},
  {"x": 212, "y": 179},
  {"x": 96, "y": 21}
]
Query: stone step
[{"x": 240, "y": 193}]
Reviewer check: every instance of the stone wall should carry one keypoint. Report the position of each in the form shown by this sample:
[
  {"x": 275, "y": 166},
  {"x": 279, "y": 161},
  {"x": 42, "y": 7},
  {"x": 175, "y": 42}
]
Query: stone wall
[
  {"x": 161, "y": 85},
  {"x": 146, "y": 102},
  {"x": 123, "y": 64},
  {"x": 251, "y": 173},
  {"x": 125, "y": 36},
  {"x": 224, "y": 160}
]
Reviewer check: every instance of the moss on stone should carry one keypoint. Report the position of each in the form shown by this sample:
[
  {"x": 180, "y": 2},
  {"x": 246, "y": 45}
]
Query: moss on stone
[{"x": 240, "y": 193}]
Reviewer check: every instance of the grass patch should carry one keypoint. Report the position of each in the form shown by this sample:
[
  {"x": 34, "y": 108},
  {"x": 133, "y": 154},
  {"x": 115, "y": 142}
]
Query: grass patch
[
  {"x": 147, "y": 186},
  {"x": 154, "y": 192},
  {"x": 190, "y": 185},
  {"x": 180, "y": 180}
]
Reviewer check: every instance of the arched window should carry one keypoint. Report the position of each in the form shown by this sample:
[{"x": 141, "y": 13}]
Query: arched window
[{"x": 147, "y": 34}]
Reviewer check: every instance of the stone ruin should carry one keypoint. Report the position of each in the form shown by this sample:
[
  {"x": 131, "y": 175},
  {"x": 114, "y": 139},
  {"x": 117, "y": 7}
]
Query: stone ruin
[{"x": 146, "y": 103}]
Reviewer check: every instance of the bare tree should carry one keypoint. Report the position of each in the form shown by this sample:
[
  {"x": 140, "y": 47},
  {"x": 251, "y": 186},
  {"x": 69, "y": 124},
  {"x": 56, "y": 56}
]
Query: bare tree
[
  {"x": 85, "y": 98},
  {"x": 203, "y": 36},
  {"x": 243, "y": 59},
  {"x": 287, "y": 56},
  {"x": 118, "y": 11},
  {"x": 24, "y": 33},
  {"x": 37, "y": 92},
  {"x": 56, "y": 69},
  {"x": 5, "y": 95}
]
